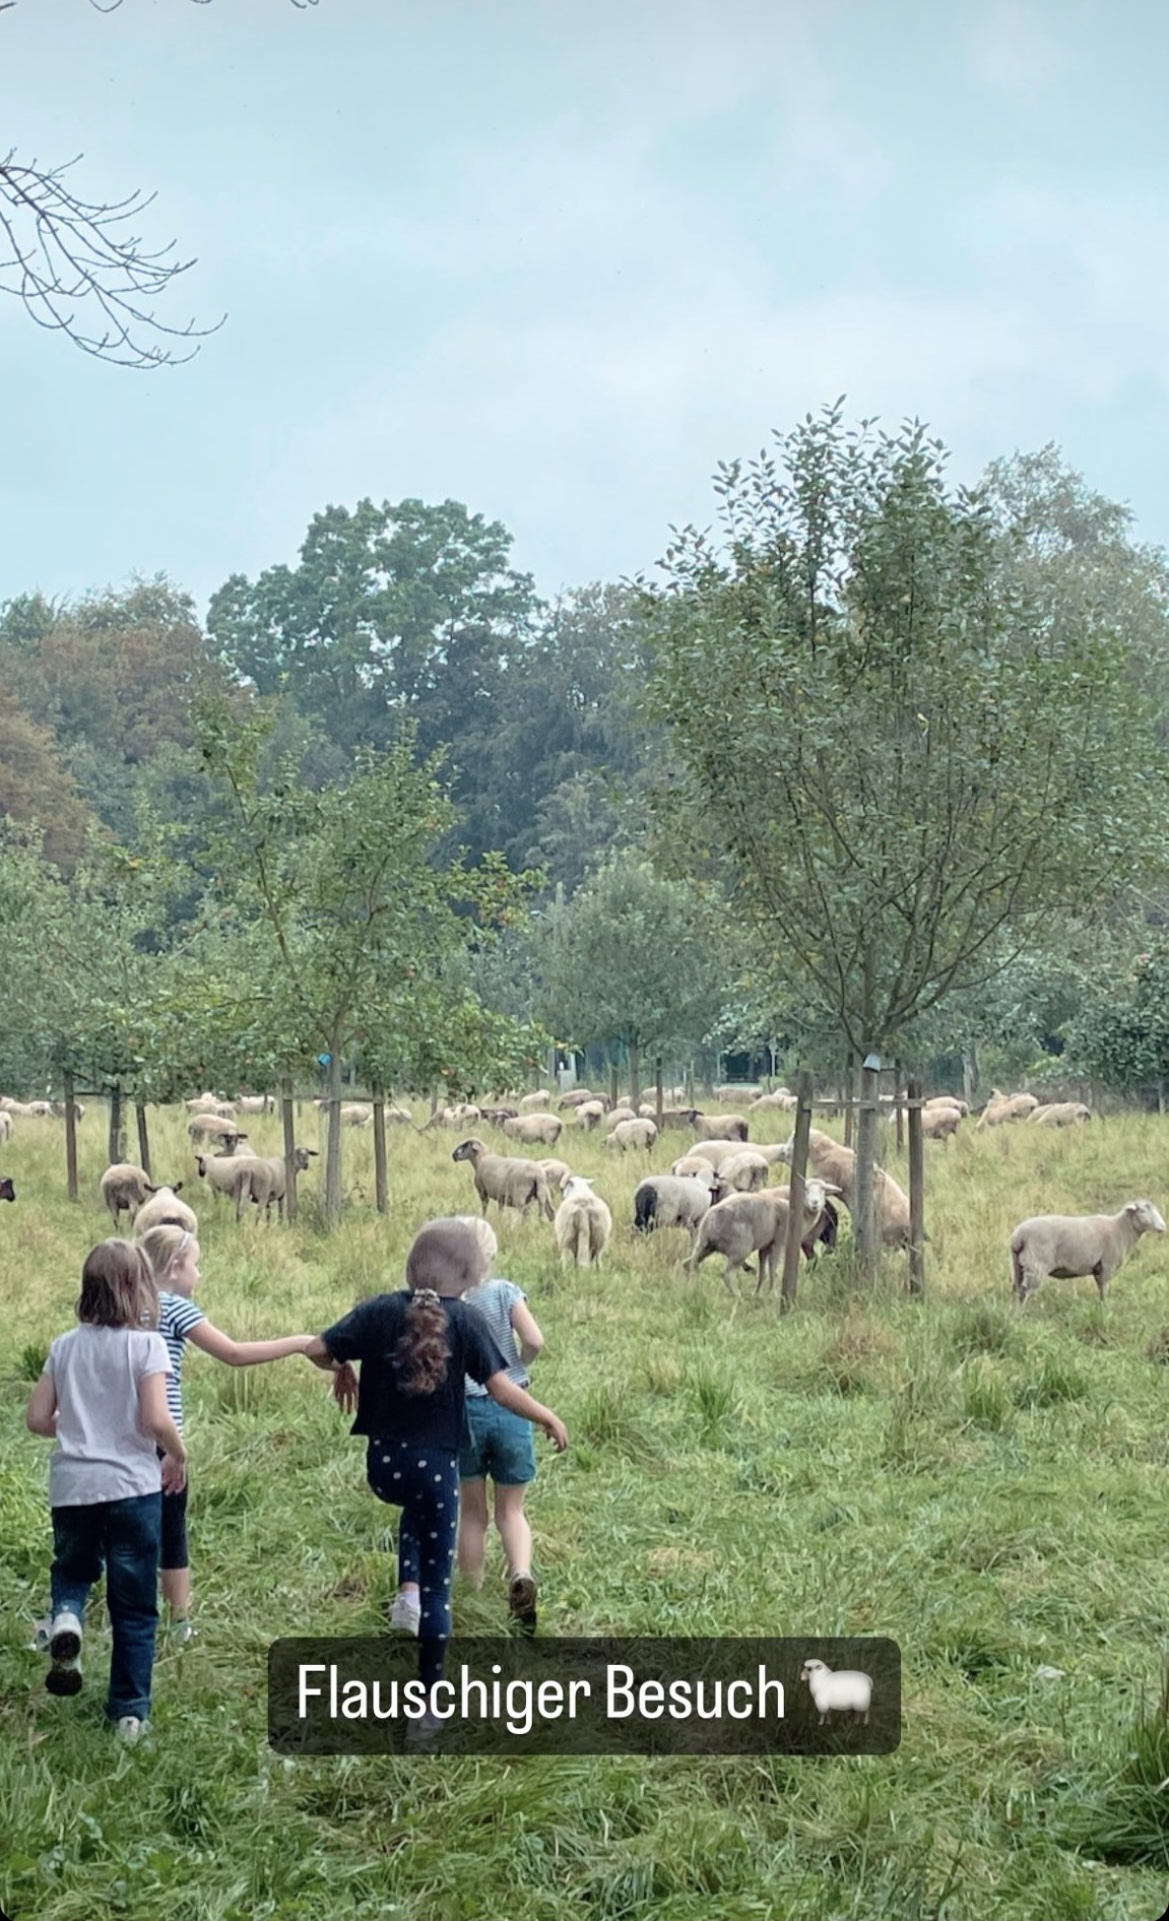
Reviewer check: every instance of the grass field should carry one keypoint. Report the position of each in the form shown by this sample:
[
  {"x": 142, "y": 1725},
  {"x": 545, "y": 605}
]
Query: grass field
[{"x": 987, "y": 1488}]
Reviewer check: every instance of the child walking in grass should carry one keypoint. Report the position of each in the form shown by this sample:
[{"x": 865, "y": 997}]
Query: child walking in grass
[
  {"x": 416, "y": 1347},
  {"x": 501, "y": 1444},
  {"x": 173, "y": 1254},
  {"x": 102, "y": 1398}
]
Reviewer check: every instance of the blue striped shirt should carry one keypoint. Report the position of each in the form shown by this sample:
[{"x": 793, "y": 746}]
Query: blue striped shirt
[
  {"x": 176, "y": 1317},
  {"x": 494, "y": 1300}
]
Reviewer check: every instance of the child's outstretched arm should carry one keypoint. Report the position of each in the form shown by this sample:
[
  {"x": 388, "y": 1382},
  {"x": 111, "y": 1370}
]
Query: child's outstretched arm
[
  {"x": 527, "y": 1332},
  {"x": 504, "y": 1390},
  {"x": 215, "y": 1342},
  {"x": 41, "y": 1417}
]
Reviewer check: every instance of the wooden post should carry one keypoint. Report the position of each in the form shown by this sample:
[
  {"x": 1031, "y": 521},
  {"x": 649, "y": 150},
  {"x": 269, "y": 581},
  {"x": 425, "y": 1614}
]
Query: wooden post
[
  {"x": 864, "y": 1216},
  {"x": 143, "y": 1136},
  {"x": 849, "y": 1082},
  {"x": 288, "y": 1116},
  {"x": 634, "y": 1075},
  {"x": 916, "y": 1191},
  {"x": 660, "y": 1097},
  {"x": 70, "y": 1140},
  {"x": 795, "y": 1216},
  {"x": 116, "y": 1144},
  {"x": 381, "y": 1195},
  {"x": 612, "y": 1080},
  {"x": 898, "y": 1107}
]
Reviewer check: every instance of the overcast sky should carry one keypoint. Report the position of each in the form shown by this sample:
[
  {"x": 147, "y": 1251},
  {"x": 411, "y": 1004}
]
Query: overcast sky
[{"x": 556, "y": 258}]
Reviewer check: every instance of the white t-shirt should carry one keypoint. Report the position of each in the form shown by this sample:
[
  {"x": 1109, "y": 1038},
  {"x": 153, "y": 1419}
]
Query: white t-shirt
[{"x": 101, "y": 1452}]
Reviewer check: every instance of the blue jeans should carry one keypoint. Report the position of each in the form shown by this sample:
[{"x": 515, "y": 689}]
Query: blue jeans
[{"x": 123, "y": 1536}]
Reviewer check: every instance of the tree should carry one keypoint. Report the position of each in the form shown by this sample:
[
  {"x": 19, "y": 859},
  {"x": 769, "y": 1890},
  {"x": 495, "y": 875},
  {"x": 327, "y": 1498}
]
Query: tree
[
  {"x": 34, "y": 786},
  {"x": 78, "y": 266},
  {"x": 912, "y": 750},
  {"x": 632, "y": 958}
]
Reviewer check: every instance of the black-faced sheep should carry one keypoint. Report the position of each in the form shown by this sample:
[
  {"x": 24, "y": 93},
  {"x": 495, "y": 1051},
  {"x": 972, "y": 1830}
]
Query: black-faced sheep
[
  {"x": 583, "y": 1223},
  {"x": 673, "y": 1200},
  {"x": 7, "y": 1191},
  {"x": 1067, "y": 1245},
  {"x": 509, "y": 1183}
]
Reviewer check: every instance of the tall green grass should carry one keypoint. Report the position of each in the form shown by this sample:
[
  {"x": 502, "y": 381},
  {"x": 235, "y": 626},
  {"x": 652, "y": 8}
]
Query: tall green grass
[{"x": 988, "y": 1487}]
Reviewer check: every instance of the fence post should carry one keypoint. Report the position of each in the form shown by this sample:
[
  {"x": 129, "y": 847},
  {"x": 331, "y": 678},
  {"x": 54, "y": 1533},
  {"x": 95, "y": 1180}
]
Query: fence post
[
  {"x": 916, "y": 1191},
  {"x": 143, "y": 1137},
  {"x": 849, "y": 1081},
  {"x": 117, "y": 1145},
  {"x": 288, "y": 1116},
  {"x": 795, "y": 1212},
  {"x": 379, "y": 1148},
  {"x": 898, "y": 1106},
  {"x": 70, "y": 1140},
  {"x": 865, "y": 1221}
]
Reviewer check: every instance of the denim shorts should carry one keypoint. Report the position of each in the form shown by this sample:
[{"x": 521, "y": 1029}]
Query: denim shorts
[{"x": 501, "y": 1444}]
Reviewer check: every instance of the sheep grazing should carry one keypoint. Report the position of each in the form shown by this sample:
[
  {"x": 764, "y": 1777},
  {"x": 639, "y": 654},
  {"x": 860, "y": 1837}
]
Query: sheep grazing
[
  {"x": 1065, "y": 1246},
  {"x": 714, "y": 1151},
  {"x": 226, "y": 1174},
  {"x": 577, "y": 1098},
  {"x": 213, "y": 1127},
  {"x": 939, "y": 1123},
  {"x": 838, "y": 1691},
  {"x": 356, "y": 1114},
  {"x": 721, "y": 1127},
  {"x": 256, "y": 1104},
  {"x": 555, "y": 1173},
  {"x": 164, "y": 1209},
  {"x": 782, "y": 1099},
  {"x": 59, "y": 1110},
  {"x": 203, "y": 1104},
  {"x": 829, "y": 1161},
  {"x": 583, "y": 1224},
  {"x": 1001, "y": 1108},
  {"x": 529, "y": 1129},
  {"x": 125, "y": 1187},
  {"x": 7, "y": 1191},
  {"x": 535, "y": 1103},
  {"x": 947, "y": 1100},
  {"x": 627, "y": 1134},
  {"x": 746, "y": 1224},
  {"x": 619, "y": 1114},
  {"x": 673, "y": 1200},
  {"x": 590, "y": 1114},
  {"x": 743, "y": 1173},
  {"x": 737, "y": 1091},
  {"x": 1061, "y": 1114},
  {"x": 6, "y": 1124},
  {"x": 30, "y": 1110},
  {"x": 510, "y": 1183},
  {"x": 497, "y": 1115},
  {"x": 691, "y": 1164},
  {"x": 266, "y": 1179}
]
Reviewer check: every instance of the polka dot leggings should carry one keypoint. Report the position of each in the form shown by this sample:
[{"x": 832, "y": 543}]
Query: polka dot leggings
[{"x": 423, "y": 1480}]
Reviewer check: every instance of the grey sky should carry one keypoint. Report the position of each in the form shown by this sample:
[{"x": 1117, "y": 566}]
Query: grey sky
[{"x": 557, "y": 260}]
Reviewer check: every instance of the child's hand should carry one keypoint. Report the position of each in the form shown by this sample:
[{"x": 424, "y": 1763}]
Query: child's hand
[
  {"x": 556, "y": 1431},
  {"x": 345, "y": 1387},
  {"x": 174, "y": 1474}
]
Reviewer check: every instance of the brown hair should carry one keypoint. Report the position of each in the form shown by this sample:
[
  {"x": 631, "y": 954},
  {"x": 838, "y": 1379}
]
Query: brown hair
[
  {"x": 447, "y": 1257},
  {"x": 162, "y": 1246},
  {"x": 117, "y": 1287}
]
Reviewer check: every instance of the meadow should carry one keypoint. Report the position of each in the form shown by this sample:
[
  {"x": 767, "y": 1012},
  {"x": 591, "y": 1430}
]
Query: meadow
[{"x": 986, "y": 1487}]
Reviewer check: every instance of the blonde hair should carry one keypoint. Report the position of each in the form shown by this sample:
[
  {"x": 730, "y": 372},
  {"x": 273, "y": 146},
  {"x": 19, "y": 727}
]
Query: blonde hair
[
  {"x": 163, "y": 1246},
  {"x": 486, "y": 1236}
]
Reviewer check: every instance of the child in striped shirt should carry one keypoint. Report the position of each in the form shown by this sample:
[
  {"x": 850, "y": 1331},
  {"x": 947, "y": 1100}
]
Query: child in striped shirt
[{"x": 173, "y": 1254}]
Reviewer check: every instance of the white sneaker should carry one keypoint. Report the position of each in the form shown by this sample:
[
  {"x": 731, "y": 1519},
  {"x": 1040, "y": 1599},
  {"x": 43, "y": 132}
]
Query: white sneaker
[
  {"x": 405, "y": 1614},
  {"x": 64, "y": 1677},
  {"x": 182, "y": 1631},
  {"x": 130, "y": 1729},
  {"x": 40, "y": 1635},
  {"x": 425, "y": 1726}
]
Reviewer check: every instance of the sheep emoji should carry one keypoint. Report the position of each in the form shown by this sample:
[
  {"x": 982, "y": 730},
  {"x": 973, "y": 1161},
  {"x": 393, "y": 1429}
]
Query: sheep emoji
[{"x": 845, "y": 1689}]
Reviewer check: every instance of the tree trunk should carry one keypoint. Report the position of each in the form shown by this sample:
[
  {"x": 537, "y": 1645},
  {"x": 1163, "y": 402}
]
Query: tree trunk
[
  {"x": 143, "y": 1137},
  {"x": 791, "y": 1246},
  {"x": 70, "y": 1141},
  {"x": 612, "y": 1081},
  {"x": 380, "y": 1187},
  {"x": 688, "y": 1080},
  {"x": 916, "y": 1192},
  {"x": 288, "y": 1117},
  {"x": 634, "y": 1075},
  {"x": 658, "y": 1095},
  {"x": 898, "y": 1106},
  {"x": 970, "y": 1072},
  {"x": 116, "y": 1141},
  {"x": 333, "y": 1148},
  {"x": 864, "y": 1213},
  {"x": 849, "y": 1080}
]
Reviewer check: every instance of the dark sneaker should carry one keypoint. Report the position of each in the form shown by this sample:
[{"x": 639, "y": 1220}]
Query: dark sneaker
[
  {"x": 64, "y": 1677},
  {"x": 521, "y": 1602}
]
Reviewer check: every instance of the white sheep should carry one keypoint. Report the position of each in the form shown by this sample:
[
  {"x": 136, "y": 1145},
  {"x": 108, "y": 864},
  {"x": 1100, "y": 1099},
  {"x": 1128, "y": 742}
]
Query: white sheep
[
  {"x": 164, "y": 1209},
  {"x": 829, "y": 1161},
  {"x": 125, "y": 1186},
  {"x": 534, "y": 1103},
  {"x": 589, "y": 1114},
  {"x": 529, "y": 1129},
  {"x": 690, "y": 1164},
  {"x": 839, "y": 1691},
  {"x": 583, "y": 1223},
  {"x": 715, "y": 1151},
  {"x": 721, "y": 1127},
  {"x": 510, "y": 1183},
  {"x": 1065, "y": 1246},
  {"x": 1061, "y": 1114},
  {"x": 255, "y": 1104},
  {"x": 947, "y": 1100},
  {"x": 1001, "y": 1108},
  {"x": 743, "y": 1173},
  {"x": 618, "y": 1114},
  {"x": 202, "y": 1104},
  {"x": 6, "y": 1124},
  {"x": 638, "y": 1133},
  {"x": 673, "y": 1200},
  {"x": 267, "y": 1179},
  {"x": 226, "y": 1174},
  {"x": 939, "y": 1123},
  {"x": 555, "y": 1172},
  {"x": 746, "y": 1224},
  {"x": 215, "y": 1127}
]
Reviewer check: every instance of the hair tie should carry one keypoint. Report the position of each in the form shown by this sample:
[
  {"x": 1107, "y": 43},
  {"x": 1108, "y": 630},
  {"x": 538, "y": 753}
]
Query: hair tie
[{"x": 426, "y": 1294}]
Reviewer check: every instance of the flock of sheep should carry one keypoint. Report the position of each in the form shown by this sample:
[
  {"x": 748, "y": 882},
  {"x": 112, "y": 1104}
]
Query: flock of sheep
[{"x": 719, "y": 1191}]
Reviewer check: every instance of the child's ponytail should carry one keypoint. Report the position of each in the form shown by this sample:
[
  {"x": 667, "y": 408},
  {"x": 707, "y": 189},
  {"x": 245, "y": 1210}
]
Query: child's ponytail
[{"x": 423, "y": 1351}]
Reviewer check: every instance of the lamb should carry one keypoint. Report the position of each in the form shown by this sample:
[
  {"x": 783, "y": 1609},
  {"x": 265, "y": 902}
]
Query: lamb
[
  {"x": 743, "y": 1173},
  {"x": 590, "y": 1114},
  {"x": 213, "y": 1127},
  {"x": 721, "y": 1127},
  {"x": 673, "y": 1200},
  {"x": 530, "y": 1128},
  {"x": 125, "y": 1186},
  {"x": 627, "y": 1134},
  {"x": 535, "y": 1103},
  {"x": 1068, "y": 1245},
  {"x": 747, "y": 1224},
  {"x": 939, "y": 1123},
  {"x": 1006, "y": 1107},
  {"x": 1062, "y": 1114},
  {"x": 843, "y": 1690},
  {"x": 164, "y": 1209},
  {"x": 583, "y": 1223},
  {"x": 266, "y": 1179},
  {"x": 510, "y": 1183},
  {"x": 829, "y": 1161},
  {"x": 7, "y": 1191}
]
